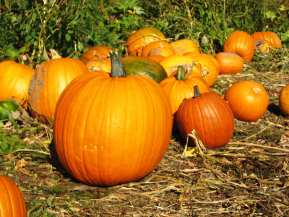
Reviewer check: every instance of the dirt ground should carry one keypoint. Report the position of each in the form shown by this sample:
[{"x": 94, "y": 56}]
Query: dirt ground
[{"x": 248, "y": 177}]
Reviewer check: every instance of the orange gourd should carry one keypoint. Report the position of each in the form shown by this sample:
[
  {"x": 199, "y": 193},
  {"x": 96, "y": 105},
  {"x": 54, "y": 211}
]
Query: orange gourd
[
  {"x": 184, "y": 46},
  {"x": 209, "y": 115},
  {"x": 269, "y": 36},
  {"x": 14, "y": 81},
  {"x": 48, "y": 82},
  {"x": 229, "y": 63},
  {"x": 242, "y": 44},
  {"x": 112, "y": 128},
  {"x": 101, "y": 51},
  {"x": 141, "y": 38},
  {"x": 284, "y": 100},
  {"x": 12, "y": 203},
  {"x": 181, "y": 86},
  {"x": 155, "y": 44},
  {"x": 248, "y": 100}
]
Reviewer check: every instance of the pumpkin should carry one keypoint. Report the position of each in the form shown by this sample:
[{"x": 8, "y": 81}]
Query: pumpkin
[
  {"x": 47, "y": 83},
  {"x": 185, "y": 45},
  {"x": 263, "y": 46},
  {"x": 171, "y": 64},
  {"x": 97, "y": 63},
  {"x": 209, "y": 115},
  {"x": 284, "y": 100},
  {"x": 6, "y": 106},
  {"x": 156, "y": 58},
  {"x": 14, "y": 81},
  {"x": 248, "y": 100},
  {"x": 269, "y": 36},
  {"x": 164, "y": 51},
  {"x": 141, "y": 38},
  {"x": 135, "y": 65},
  {"x": 112, "y": 128},
  {"x": 229, "y": 63},
  {"x": 12, "y": 203},
  {"x": 181, "y": 86},
  {"x": 155, "y": 44},
  {"x": 101, "y": 51},
  {"x": 240, "y": 43}
]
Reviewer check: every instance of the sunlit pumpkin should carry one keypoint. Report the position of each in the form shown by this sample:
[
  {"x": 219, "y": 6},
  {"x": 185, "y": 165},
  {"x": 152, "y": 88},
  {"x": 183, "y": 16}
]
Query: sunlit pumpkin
[
  {"x": 269, "y": 36},
  {"x": 48, "y": 82},
  {"x": 182, "y": 46},
  {"x": 209, "y": 115},
  {"x": 284, "y": 100},
  {"x": 100, "y": 51},
  {"x": 12, "y": 203},
  {"x": 156, "y": 58},
  {"x": 263, "y": 46},
  {"x": 229, "y": 63},
  {"x": 112, "y": 128},
  {"x": 155, "y": 44},
  {"x": 248, "y": 100},
  {"x": 242, "y": 44},
  {"x": 14, "y": 81},
  {"x": 98, "y": 63}
]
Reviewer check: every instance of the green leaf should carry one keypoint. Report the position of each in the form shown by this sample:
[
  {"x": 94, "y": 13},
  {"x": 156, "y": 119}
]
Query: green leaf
[
  {"x": 138, "y": 10},
  {"x": 271, "y": 15},
  {"x": 79, "y": 45},
  {"x": 8, "y": 113},
  {"x": 22, "y": 49},
  {"x": 67, "y": 37}
]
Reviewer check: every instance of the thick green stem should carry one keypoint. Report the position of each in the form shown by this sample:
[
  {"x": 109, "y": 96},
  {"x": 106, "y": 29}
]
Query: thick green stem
[
  {"x": 117, "y": 69},
  {"x": 181, "y": 74},
  {"x": 196, "y": 91}
]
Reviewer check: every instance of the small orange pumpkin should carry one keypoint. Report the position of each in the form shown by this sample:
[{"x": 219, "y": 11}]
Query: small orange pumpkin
[
  {"x": 164, "y": 51},
  {"x": 284, "y": 100},
  {"x": 269, "y": 36},
  {"x": 242, "y": 44},
  {"x": 184, "y": 46},
  {"x": 156, "y": 58},
  {"x": 12, "y": 203},
  {"x": 97, "y": 63},
  {"x": 263, "y": 46},
  {"x": 229, "y": 63},
  {"x": 248, "y": 100},
  {"x": 100, "y": 51},
  {"x": 155, "y": 44},
  {"x": 14, "y": 81}
]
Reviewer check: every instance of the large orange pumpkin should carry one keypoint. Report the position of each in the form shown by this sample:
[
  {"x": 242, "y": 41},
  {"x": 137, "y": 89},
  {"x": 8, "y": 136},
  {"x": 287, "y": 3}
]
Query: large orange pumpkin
[
  {"x": 269, "y": 36},
  {"x": 184, "y": 46},
  {"x": 141, "y": 38},
  {"x": 209, "y": 115},
  {"x": 48, "y": 82},
  {"x": 229, "y": 63},
  {"x": 248, "y": 100},
  {"x": 240, "y": 43},
  {"x": 284, "y": 100},
  {"x": 12, "y": 203},
  {"x": 14, "y": 81},
  {"x": 181, "y": 86},
  {"x": 112, "y": 128},
  {"x": 101, "y": 51}
]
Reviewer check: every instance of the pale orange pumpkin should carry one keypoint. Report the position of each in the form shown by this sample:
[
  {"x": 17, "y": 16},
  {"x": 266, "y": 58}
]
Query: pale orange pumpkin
[
  {"x": 184, "y": 46},
  {"x": 248, "y": 100},
  {"x": 229, "y": 63},
  {"x": 284, "y": 100},
  {"x": 155, "y": 44},
  {"x": 269, "y": 36},
  {"x": 48, "y": 82},
  {"x": 242, "y": 44},
  {"x": 156, "y": 58},
  {"x": 164, "y": 51},
  {"x": 14, "y": 81},
  {"x": 100, "y": 51},
  {"x": 141, "y": 38},
  {"x": 97, "y": 63}
]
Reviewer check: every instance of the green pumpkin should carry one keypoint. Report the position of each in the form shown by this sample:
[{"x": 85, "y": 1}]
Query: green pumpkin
[
  {"x": 6, "y": 106},
  {"x": 135, "y": 65}
]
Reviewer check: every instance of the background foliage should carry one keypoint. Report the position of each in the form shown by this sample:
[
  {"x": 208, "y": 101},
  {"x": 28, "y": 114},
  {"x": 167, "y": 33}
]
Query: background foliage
[{"x": 70, "y": 27}]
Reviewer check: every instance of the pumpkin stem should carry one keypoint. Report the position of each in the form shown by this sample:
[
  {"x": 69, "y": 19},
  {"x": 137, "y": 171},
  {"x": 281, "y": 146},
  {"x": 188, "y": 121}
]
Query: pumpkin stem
[
  {"x": 257, "y": 90},
  {"x": 181, "y": 74},
  {"x": 54, "y": 54},
  {"x": 117, "y": 69},
  {"x": 196, "y": 91}
]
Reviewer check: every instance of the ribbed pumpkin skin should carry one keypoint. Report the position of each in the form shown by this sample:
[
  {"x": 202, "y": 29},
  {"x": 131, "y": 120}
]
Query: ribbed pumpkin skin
[
  {"x": 147, "y": 49},
  {"x": 101, "y": 51},
  {"x": 284, "y": 100},
  {"x": 171, "y": 64},
  {"x": 163, "y": 51},
  {"x": 14, "y": 81},
  {"x": 229, "y": 63},
  {"x": 179, "y": 90},
  {"x": 242, "y": 44},
  {"x": 109, "y": 131},
  {"x": 135, "y": 65},
  {"x": 248, "y": 100},
  {"x": 156, "y": 58},
  {"x": 49, "y": 81},
  {"x": 269, "y": 36},
  {"x": 210, "y": 116},
  {"x": 138, "y": 40},
  {"x": 12, "y": 203},
  {"x": 185, "y": 45},
  {"x": 95, "y": 64}
]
